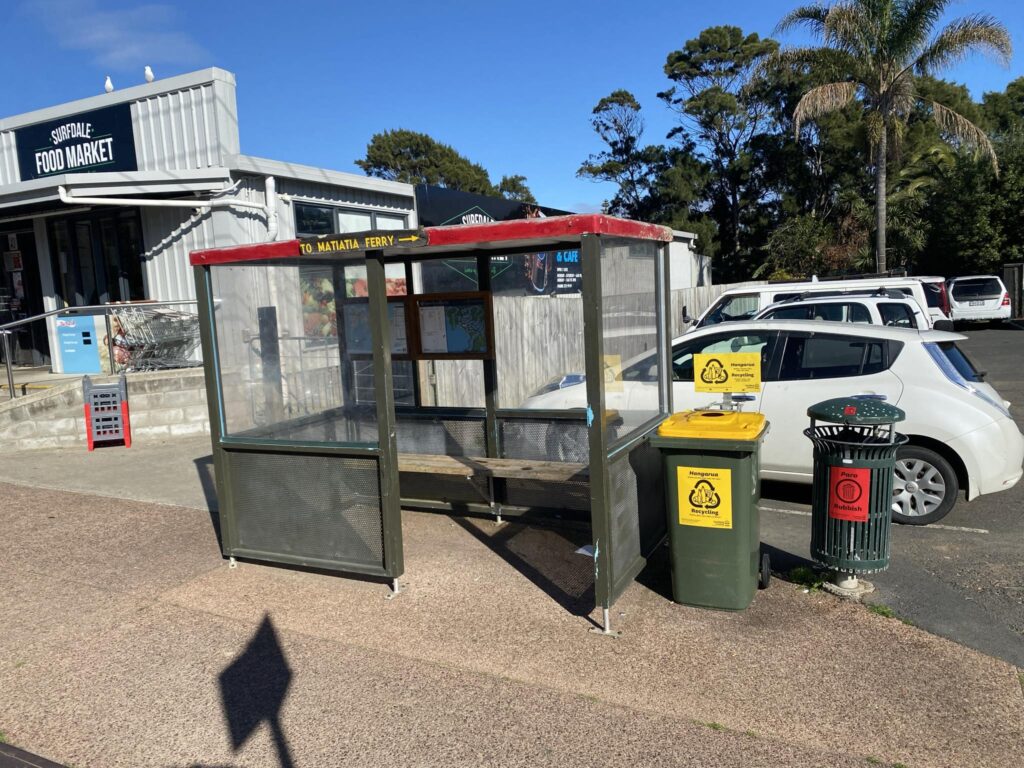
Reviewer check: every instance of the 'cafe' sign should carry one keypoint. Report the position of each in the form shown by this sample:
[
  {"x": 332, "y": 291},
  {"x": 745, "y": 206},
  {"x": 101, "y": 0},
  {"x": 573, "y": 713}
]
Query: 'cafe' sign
[{"x": 89, "y": 142}]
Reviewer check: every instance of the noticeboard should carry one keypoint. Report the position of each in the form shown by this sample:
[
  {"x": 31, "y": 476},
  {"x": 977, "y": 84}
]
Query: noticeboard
[
  {"x": 356, "y": 319},
  {"x": 453, "y": 326}
]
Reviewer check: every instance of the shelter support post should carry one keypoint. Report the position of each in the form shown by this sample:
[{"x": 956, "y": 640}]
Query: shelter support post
[
  {"x": 384, "y": 391},
  {"x": 490, "y": 365},
  {"x": 597, "y": 427},
  {"x": 214, "y": 403}
]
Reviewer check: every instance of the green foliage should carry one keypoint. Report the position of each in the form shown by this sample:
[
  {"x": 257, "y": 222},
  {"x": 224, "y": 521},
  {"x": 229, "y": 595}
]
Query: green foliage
[
  {"x": 882, "y": 610},
  {"x": 806, "y": 577},
  {"x": 514, "y": 188},
  {"x": 880, "y": 54},
  {"x": 782, "y": 192},
  {"x": 416, "y": 158}
]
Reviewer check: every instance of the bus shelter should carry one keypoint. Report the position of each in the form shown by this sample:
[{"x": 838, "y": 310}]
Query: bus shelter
[{"x": 503, "y": 368}]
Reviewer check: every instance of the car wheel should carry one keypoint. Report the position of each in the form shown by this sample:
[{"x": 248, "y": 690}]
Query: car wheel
[{"x": 924, "y": 488}]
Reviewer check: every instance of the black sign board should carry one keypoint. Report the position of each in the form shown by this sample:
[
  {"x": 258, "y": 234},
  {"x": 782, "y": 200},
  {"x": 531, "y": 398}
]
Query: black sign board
[
  {"x": 89, "y": 142},
  {"x": 439, "y": 206},
  {"x": 352, "y": 242}
]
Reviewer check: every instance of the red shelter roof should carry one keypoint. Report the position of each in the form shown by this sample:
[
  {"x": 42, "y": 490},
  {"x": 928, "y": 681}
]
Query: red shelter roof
[{"x": 524, "y": 233}]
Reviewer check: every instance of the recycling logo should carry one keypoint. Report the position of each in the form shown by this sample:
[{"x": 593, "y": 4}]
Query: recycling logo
[
  {"x": 704, "y": 496},
  {"x": 714, "y": 372}
]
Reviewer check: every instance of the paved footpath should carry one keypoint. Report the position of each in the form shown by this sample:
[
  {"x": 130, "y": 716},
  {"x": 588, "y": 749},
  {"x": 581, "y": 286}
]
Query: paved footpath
[{"x": 127, "y": 641}]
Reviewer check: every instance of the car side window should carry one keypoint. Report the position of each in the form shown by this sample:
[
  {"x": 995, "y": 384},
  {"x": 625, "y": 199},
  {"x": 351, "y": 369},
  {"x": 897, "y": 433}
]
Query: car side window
[
  {"x": 824, "y": 356},
  {"x": 796, "y": 312},
  {"x": 858, "y": 313},
  {"x": 896, "y": 314},
  {"x": 720, "y": 343}
]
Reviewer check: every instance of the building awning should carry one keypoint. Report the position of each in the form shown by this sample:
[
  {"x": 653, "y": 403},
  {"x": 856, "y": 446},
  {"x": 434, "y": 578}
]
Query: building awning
[{"x": 43, "y": 192}]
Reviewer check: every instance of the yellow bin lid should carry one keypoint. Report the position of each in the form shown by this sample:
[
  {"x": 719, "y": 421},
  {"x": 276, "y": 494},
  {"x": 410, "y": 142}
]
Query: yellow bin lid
[{"x": 713, "y": 425}]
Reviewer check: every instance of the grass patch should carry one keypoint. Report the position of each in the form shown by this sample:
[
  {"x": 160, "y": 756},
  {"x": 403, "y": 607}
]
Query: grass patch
[
  {"x": 882, "y": 610},
  {"x": 873, "y": 760},
  {"x": 3, "y": 737},
  {"x": 806, "y": 577},
  {"x": 898, "y": 765},
  {"x": 716, "y": 726}
]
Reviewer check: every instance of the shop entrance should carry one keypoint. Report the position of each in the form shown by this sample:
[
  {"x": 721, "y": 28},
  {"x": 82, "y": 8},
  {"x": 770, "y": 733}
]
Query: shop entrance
[
  {"x": 21, "y": 296},
  {"x": 97, "y": 258}
]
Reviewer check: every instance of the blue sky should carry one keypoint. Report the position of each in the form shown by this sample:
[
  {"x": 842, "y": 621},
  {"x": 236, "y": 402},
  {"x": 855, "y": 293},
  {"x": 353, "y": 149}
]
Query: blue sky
[{"x": 510, "y": 85}]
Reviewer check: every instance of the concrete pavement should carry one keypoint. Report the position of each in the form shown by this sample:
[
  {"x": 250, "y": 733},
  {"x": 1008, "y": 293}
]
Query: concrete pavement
[{"x": 127, "y": 641}]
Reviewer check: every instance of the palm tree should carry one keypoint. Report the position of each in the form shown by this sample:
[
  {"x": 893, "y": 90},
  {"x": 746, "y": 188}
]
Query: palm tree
[{"x": 872, "y": 50}]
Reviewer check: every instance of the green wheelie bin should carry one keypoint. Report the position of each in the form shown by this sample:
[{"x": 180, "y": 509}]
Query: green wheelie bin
[{"x": 712, "y": 489}]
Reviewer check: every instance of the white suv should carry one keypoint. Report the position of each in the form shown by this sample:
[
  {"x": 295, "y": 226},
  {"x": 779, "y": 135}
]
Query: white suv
[
  {"x": 960, "y": 430},
  {"x": 981, "y": 297},
  {"x": 895, "y": 310}
]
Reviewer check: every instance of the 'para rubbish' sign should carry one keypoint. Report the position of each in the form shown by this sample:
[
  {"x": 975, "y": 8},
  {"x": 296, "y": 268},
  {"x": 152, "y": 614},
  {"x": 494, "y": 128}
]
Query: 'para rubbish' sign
[
  {"x": 849, "y": 490},
  {"x": 89, "y": 142},
  {"x": 727, "y": 372}
]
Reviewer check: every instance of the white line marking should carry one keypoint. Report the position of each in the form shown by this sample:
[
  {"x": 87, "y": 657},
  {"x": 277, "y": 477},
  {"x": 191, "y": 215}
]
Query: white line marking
[
  {"x": 803, "y": 512},
  {"x": 958, "y": 528},
  {"x": 934, "y": 526}
]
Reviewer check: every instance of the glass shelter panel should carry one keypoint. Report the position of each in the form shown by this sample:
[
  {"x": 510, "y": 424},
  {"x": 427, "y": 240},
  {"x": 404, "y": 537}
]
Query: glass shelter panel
[
  {"x": 629, "y": 298},
  {"x": 282, "y": 375}
]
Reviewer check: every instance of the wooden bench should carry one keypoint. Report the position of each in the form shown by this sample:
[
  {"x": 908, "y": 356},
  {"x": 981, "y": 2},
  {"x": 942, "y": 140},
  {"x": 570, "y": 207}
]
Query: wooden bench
[{"x": 480, "y": 467}]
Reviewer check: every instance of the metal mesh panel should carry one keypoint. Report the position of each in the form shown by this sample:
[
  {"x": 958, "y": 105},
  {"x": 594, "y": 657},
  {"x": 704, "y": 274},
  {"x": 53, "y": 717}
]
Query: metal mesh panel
[
  {"x": 307, "y": 506},
  {"x": 544, "y": 439},
  {"x": 625, "y": 522},
  {"x": 441, "y": 435},
  {"x": 574, "y": 495}
]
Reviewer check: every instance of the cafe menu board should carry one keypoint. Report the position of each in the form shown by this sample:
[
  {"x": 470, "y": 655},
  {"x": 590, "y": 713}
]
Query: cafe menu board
[
  {"x": 357, "y": 328},
  {"x": 454, "y": 326}
]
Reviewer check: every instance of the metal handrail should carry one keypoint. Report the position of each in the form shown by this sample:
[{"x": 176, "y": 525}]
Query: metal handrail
[{"x": 93, "y": 309}]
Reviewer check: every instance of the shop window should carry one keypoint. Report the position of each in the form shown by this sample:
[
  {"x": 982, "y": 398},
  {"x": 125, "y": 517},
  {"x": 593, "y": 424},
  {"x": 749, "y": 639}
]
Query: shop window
[{"x": 313, "y": 220}]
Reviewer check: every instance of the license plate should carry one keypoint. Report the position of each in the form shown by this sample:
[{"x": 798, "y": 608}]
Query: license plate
[{"x": 976, "y": 303}]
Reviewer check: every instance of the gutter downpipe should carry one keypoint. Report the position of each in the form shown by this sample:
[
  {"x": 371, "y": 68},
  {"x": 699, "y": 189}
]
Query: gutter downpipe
[{"x": 269, "y": 208}]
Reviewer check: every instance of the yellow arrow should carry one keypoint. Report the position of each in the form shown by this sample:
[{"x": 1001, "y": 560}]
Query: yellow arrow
[{"x": 410, "y": 239}]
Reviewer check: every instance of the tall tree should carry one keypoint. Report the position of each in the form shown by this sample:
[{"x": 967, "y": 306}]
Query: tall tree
[
  {"x": 872, "y": 50},
  {"x": 514, "y": 188},
  {"x": 623, "y": 161},
  {"x": 416, "y": 158},
  {"x": 721, "y": 109}
]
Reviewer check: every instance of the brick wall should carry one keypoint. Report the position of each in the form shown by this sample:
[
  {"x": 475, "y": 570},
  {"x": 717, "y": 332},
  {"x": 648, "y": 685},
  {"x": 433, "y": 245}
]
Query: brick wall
[{"x": 162, "y": 404}]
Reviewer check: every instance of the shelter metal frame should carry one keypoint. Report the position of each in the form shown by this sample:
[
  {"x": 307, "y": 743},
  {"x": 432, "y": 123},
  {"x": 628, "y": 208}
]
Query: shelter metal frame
[{"x": 271, "y": 489}]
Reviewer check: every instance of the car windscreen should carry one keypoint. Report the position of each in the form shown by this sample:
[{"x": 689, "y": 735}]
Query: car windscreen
[
  {"x": 977, "y": 288},
  {"x": 730, "y": 308},
  {"x": 933, "y": 294},
  {"x": 960, "y": 361}
]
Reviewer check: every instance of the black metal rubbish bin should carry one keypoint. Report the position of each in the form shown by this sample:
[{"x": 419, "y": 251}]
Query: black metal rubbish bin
[{"x": 851, "y": 499}]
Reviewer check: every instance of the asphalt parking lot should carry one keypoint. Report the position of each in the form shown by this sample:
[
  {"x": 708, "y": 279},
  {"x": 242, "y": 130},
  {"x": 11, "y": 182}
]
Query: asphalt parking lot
[{"x": 963, "y": 578}]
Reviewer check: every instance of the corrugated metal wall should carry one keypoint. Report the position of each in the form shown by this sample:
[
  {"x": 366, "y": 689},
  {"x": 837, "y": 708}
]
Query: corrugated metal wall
[
  {"x": 180, "y": 130},
  {"x": 360, "y": 198},
  {"x": 170, "y": 234},
  {"x": 8, "y": 159}
]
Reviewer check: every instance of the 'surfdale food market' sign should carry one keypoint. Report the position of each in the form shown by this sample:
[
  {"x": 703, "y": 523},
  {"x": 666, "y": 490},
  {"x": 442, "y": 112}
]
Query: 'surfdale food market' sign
[{"x": 89, "y": 142}]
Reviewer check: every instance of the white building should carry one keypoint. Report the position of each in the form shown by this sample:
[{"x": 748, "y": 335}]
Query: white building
[{"x": 102, "y": 199}]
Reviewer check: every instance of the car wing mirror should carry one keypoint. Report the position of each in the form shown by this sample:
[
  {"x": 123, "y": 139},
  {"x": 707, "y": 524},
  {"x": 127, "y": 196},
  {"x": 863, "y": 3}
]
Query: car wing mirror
[{"x": 686, "y": 316}]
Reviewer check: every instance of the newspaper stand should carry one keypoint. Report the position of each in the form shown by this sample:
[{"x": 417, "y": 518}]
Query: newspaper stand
[
  {"x": 320, "y": 357},
  {"x": 106, "y": 412}
]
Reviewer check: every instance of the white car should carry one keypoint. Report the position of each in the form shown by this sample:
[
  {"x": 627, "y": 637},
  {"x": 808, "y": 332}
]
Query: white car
[
  {"x": 960, "y": 430},
  {"x": 896, "y": 310},
  {"x": 981, "y": 297},
  {"x": 742, "y": 303}
]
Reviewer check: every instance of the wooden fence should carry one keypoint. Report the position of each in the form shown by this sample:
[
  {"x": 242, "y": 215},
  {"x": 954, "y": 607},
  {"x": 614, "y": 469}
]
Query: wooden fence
[{"x": 538, "y": 338}]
